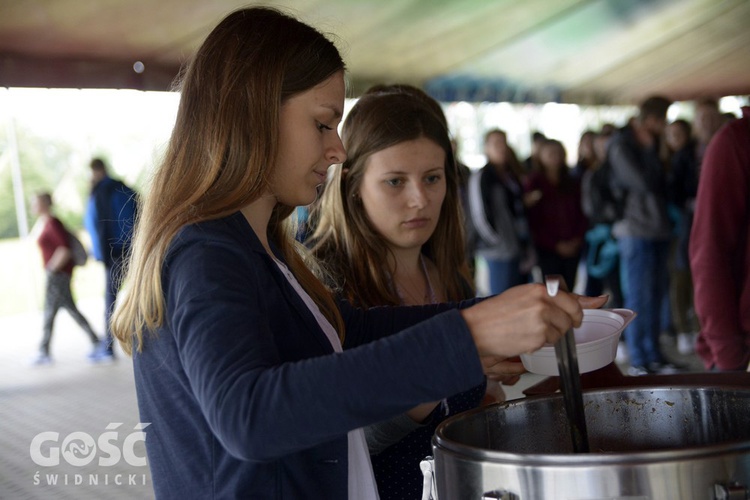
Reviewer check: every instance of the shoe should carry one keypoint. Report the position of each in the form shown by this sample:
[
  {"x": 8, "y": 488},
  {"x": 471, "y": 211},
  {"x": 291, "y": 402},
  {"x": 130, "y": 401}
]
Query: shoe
[
  {"x": 665, "y": 368},
  {"x": 621, "y": 357},
  {"x": 101, "y": 356},
  {"x": 686, "y": 343},
  {"x": 41, "y": 359},
  {"x": 638, "y": 371}
]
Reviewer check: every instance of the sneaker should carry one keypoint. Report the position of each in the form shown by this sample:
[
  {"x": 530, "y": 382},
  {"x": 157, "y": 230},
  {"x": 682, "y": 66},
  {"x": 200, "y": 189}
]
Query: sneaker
[
  {"x": 41, "y": 359},
  {"x": 101, "y": 356},
  {"x": 665, "y": 368},
  {"x": 686, "y": 343},
  {"x": 638, "y": 371},
  {"x": 621, "y": 357}
]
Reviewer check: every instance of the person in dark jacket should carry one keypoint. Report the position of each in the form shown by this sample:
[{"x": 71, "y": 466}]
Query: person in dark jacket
[
  {"x": 601, "y": 205},
  {"x": 643, "y": 232},
  {"x": 682, "y": 186},
  {"x": 401, "y": 243},
  {"x": 109, "y": 219},
  {"x": 497, "y": 228}
]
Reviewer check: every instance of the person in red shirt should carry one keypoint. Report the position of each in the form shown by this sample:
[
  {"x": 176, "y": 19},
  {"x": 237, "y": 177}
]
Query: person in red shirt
[
  {"x": 720, "y": 249},
  {"x": 58, "y": 263}
]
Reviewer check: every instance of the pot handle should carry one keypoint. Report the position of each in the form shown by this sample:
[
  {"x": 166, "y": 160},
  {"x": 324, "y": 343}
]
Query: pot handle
[
  {"x": 429, "y": 488},
  {"x": 499, "y": 495}
]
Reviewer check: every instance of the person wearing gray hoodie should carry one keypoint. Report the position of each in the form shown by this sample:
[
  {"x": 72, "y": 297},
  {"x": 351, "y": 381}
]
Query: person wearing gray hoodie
[{"x": 643, "y": 231}]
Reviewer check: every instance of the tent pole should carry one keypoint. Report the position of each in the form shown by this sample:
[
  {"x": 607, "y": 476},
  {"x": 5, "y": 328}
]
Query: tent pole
[{"x": 15, "y": 167}]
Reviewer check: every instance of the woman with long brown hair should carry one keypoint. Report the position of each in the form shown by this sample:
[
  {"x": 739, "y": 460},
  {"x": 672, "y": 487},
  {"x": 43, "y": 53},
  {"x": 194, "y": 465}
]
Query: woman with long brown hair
[
  {"x": 389, "y": 228},
  {"x": 237, "y": 346},
  {"x": 347, "y": 237}
]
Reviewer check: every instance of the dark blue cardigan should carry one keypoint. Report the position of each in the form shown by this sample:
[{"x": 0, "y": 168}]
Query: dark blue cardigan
[{"x": 245, "y": 396}]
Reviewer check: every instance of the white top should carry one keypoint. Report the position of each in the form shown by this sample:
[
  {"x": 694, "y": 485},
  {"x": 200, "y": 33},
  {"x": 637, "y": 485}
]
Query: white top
[{"x": 361, "y": 478}]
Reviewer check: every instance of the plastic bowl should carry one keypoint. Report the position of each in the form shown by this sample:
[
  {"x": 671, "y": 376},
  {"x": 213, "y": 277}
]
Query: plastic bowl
[{"x": 596, "y": 342}]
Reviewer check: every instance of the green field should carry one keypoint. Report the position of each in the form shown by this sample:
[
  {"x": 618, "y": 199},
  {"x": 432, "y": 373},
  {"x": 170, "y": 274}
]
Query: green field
[{"x": 22, "y": 278}]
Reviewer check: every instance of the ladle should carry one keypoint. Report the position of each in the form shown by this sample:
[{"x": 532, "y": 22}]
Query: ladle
[{"x": 570, "y": 378}]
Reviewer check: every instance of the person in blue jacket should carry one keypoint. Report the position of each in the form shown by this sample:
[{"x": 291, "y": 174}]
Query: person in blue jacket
[
  {"x": 255, "y": 380},
  {"x": 110, "y": 216}
]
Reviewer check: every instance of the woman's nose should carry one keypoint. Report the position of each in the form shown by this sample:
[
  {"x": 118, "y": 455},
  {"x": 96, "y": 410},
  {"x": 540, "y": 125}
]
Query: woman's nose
[
  {"x": 336, "y": 152},
  {"x": 417, "y": 196}
]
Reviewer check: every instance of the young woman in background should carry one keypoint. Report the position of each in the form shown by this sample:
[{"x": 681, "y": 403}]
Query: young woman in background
[{"x": 390, "y": 229}]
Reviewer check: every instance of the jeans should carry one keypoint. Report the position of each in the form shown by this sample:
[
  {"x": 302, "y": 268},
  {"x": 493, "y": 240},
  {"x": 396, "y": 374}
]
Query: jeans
[
  {"x": 504, "y": 274},
  {"x": 644, "y": 263},
  {"x": 114, "y": 281}
]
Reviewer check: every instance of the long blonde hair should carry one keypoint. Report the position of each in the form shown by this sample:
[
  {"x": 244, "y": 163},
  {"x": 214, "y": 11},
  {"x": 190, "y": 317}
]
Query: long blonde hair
[
  {"x": 222, "y": 148},
  {"x": 344, "y": 237}
]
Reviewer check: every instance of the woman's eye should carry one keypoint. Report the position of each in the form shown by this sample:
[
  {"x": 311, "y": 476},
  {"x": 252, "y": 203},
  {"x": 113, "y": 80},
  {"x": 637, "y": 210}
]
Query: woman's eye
[
  {"x": 393, "y": 182},
  {"x": 323, "y": 127},
  {"x": 432, "y": 179}
]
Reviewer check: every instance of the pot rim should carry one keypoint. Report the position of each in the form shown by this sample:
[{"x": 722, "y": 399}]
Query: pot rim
[{"x": 591, "y": 458}]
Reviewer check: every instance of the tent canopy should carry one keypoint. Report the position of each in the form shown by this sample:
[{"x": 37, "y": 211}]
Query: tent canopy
[{"x": 579, "y": 51}]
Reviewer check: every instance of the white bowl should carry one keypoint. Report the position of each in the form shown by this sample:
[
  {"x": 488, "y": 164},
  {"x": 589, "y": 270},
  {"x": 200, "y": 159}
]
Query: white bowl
[{"x": 596, "y": 342}]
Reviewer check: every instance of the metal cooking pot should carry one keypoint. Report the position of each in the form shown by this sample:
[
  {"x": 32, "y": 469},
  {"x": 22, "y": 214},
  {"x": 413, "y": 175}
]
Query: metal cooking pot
[{"x": 646, "y": 443}]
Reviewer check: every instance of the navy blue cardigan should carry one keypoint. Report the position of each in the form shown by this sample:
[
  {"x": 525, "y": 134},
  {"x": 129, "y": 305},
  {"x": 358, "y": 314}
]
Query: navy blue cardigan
[{"x": 245, "y": 396}]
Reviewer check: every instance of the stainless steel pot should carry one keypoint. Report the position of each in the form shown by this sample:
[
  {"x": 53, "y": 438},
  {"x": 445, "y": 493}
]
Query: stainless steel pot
[{"x": 646, "y": 443}]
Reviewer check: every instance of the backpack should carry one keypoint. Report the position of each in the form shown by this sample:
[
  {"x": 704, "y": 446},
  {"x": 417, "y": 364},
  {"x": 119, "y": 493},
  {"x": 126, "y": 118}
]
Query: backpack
[
  {"x": 602, "y": 254},
  {"x": 123, "y": 212},
  {"x": 110, "y": 217},
  {"x": 78, "y": 251}
]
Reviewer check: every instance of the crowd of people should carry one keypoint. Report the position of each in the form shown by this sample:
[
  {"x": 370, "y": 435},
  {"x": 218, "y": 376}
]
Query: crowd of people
[
  {"x": 276, "y": 362},
  {"x": 623, "y": 213}
]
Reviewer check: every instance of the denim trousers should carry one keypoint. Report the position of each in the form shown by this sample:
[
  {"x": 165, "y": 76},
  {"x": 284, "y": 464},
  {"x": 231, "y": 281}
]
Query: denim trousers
[
  {"x": 112, "y": 287},
  {"x": 643, "y": 265},
  {"x": 504, "y": 274}
]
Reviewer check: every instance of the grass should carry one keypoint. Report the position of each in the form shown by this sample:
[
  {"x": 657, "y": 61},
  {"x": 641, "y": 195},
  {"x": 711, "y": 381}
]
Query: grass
[{"x": 22, "y": 277}]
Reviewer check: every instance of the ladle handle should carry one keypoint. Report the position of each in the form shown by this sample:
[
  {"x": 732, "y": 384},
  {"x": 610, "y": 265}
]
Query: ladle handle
[{"x": 570, "y": 377}]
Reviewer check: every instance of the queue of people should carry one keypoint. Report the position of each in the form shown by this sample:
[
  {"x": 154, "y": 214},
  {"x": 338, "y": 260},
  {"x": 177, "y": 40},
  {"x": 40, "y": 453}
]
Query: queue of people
[
  {"x": 269, "y": 367},
  {"x": 627, "y": 220}
]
